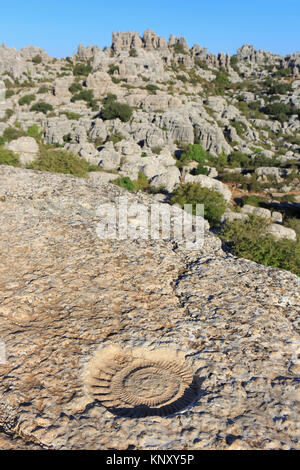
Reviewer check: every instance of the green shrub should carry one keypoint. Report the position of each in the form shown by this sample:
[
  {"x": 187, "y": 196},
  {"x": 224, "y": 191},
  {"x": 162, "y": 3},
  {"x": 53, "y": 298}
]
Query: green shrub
[
  {"x": 125, "y": 182},
  {"x": 234, "y": 63},
  {"x": 110, "y": 97},
  {"x": 72, "y": 116},
  {"x": 75, "y": 87},
  {"x": 8, "y": 158},
  {"x": 281, "y": 111},
  {"x": 34, "y": 131},
  {"x": 9, "y": 94},
  {"x": 253, "y": 200},
  {"x": 113, "y": 68},
  {"x": 133, "y": 53},
  {"x": 193, "y": 193},
  {"x": 238, "y": 160},
  {"x": 82, "y": 69},
  {"x": 179, "y": 48},
  {"x": 240, "y": 127},
  {"x": 84, "y": 95},
  {"x": 27, "y": 99},
  {"x": 67, "y": 138},
  {"x": 284, "y": 72},
  {"x": 200, "y": 170},
  {"x": 276, "y": 88},
  {"x": 218, "y": 162},
  {"x": 42, "y": 107},
  {"x": 247, "y": 239},
  {"x": 8, "y": 114},
  {"x": 116, "y": 137},
  {"x": 12, "y": 133},
  {"x": 60, "y": 161},
  {"x": 114, "y": 110},
  {"x": 43, "y": 89},
  {"x": 37, "y": 59},
  {"x": 288, "y": 198},
  {"x": 194, "y": 152},
  {"x": 182, "y": 78},
  {"x": 141, "y": 184},
  {"x": 157, "y": 150},
  {"x": 221, "y": 82},
  {"x": 152, "y": 88}
]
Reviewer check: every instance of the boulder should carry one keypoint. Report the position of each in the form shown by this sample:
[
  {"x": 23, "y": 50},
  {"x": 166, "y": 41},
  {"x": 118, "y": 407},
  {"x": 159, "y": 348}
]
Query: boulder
[
  {"x": 280, "y": 232},
  {"x": 259, "y": 211},
  {"x": 169, "y": 179},
  {"x": 210, "y": 183},
  {"x": 109, "y": 159},
  {"x": 26, "y": 147},
  {"x": 229, "y": 216}
]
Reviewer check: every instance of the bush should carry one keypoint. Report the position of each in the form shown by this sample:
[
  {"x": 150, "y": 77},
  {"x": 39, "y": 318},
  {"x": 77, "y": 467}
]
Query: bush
[
  {"x": 238, "y": 160},
  {"x": 112, "y": 69},
  {"x": 221, "y": 82},
  {"x": 116, "y": 137},
  {"x": 218, "y": 162},
  {"x": 179, "y": 49},
  {"x": 281, "y": 111},
  {"x": 12, "y": 133},
  {"x": 37, "y": 59},
  {"x": 246, "y": 239},
  {"x": 82, "y": 69},
  {"x": 34, "y": 131},
  {"x": 109, "y": 98},
  {"x": 133, "y": 53},
  {"x": 27, "y": 99},
  {"x": 8, "y": 114},
  {"x": 141, "y": 184},
  {"x": 125, "y": 182},
  {"x": 60, "y": 161},
  {"x": 8, "y": 158},
  {"x": 194, "y": 152},
  {"x": 276, "y": 88},
  {"x": 253, "y": 200},
  {"x": 9, "y": 94},
  {"x": 84, "y": 95},
  {"x": 157, "y": 150},
  {"x": 42, "y": 107},
  {"x": 72, "y": 116},
  {"x": 75, "y": 87},
  {"x": 43, "y": 89},
  {"x": 193, "y": 193},
  {"x": 182, "y": 78},
  {"x": 114, "y": 110},
  {"x": 200, "y": 170},
  {"x": 152, "y": 88},
  {"x": 240, "y": 127}
]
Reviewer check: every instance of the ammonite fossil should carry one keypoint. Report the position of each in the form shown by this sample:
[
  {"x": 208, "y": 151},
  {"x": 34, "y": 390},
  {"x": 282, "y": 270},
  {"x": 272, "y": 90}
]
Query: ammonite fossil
[{"x": 141, "y": 383}]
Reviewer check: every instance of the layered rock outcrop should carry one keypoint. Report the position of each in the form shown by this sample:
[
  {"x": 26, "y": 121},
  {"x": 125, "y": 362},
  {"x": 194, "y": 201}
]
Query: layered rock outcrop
[{"x": 67, "y": 294}]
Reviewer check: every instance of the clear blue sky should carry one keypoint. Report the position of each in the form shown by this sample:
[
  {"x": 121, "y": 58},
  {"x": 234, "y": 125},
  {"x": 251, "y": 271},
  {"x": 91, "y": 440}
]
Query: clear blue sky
[{"x": 221, "y": 25}]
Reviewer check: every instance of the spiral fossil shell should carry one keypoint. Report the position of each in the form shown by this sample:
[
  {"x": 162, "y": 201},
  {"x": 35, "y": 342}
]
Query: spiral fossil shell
[{"x": 140, "y": 383}]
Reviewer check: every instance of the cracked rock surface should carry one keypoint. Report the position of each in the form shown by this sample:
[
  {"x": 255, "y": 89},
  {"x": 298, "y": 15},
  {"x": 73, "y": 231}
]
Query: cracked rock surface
[{"x": 65, "y": 294}]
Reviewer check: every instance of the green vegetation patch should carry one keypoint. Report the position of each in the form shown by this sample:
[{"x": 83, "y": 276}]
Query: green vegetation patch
[{"x": 194, "y": 193}]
